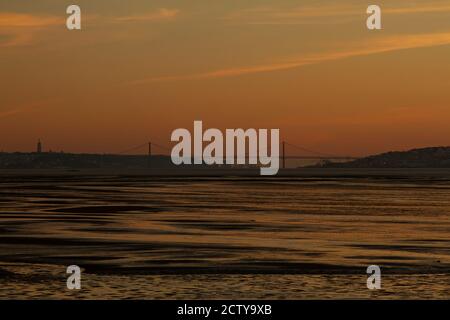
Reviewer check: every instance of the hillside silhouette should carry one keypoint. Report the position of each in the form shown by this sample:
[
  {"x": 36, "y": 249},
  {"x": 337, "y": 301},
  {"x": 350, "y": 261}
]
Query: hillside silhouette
[{"x": 433, "y": 157}]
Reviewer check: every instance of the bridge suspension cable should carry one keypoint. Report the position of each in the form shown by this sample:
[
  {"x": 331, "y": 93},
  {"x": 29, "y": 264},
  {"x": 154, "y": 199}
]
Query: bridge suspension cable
[
  {"x": 141, "y": 146},
  {"x": 132, "y": 149},
  {"x": 318, "y": 153},
  {"x": 283, "y": 155},
  {"x": 161, "y": 147}
]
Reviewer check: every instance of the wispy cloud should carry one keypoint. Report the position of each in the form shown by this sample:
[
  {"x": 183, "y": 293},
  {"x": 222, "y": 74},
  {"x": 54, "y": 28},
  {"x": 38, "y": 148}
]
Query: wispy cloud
[
  {"x": 162, "y": 14},
  {"x": 7, "y": 113},
  {"x": 19, "y": 29},
  {"x": 26, "y": 107},
  {"x": 388, "y": 44},
  {"x": 426, "y": 8},
  {"x": 16, "y": 20},
  {"x": 269, "y": 13},
  {"x": 318, "y": 14}
]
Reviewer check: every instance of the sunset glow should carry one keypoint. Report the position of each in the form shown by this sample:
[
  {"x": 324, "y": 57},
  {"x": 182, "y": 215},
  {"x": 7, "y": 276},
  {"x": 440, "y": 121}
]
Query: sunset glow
[{"x": 139, "y": 69}]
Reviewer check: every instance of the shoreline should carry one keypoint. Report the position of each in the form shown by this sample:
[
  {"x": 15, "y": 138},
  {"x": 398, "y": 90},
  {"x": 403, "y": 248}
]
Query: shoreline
[{"x": 230, "y": 172}]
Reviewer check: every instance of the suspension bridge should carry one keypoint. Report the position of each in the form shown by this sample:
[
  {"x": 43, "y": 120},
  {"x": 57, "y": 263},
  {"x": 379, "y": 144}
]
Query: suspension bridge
[{"x": 287, "y": 152}]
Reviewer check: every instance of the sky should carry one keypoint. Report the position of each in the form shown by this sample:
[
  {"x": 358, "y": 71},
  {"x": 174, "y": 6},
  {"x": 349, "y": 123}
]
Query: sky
[{"x": 140, "y": 69}]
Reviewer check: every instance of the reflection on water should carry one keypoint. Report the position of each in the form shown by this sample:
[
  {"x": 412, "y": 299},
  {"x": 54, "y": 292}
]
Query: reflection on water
[
  {"x": 49, "y": 282},
  {"x": 145, "y": 237}
]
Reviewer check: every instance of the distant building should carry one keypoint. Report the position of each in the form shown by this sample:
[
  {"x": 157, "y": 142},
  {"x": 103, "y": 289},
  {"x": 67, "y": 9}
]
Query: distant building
[{"x": 39, "y": 147}]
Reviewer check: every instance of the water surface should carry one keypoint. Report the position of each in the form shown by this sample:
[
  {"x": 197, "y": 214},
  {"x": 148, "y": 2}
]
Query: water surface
[{"x": 147, "y": 237}]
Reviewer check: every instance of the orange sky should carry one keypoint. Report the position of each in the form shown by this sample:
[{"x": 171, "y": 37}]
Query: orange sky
[{"x": 139, "y": 69}]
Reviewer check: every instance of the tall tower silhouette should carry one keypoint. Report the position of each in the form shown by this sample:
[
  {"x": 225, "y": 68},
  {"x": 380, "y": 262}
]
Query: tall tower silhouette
[{"x": 39, "y": 146}]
